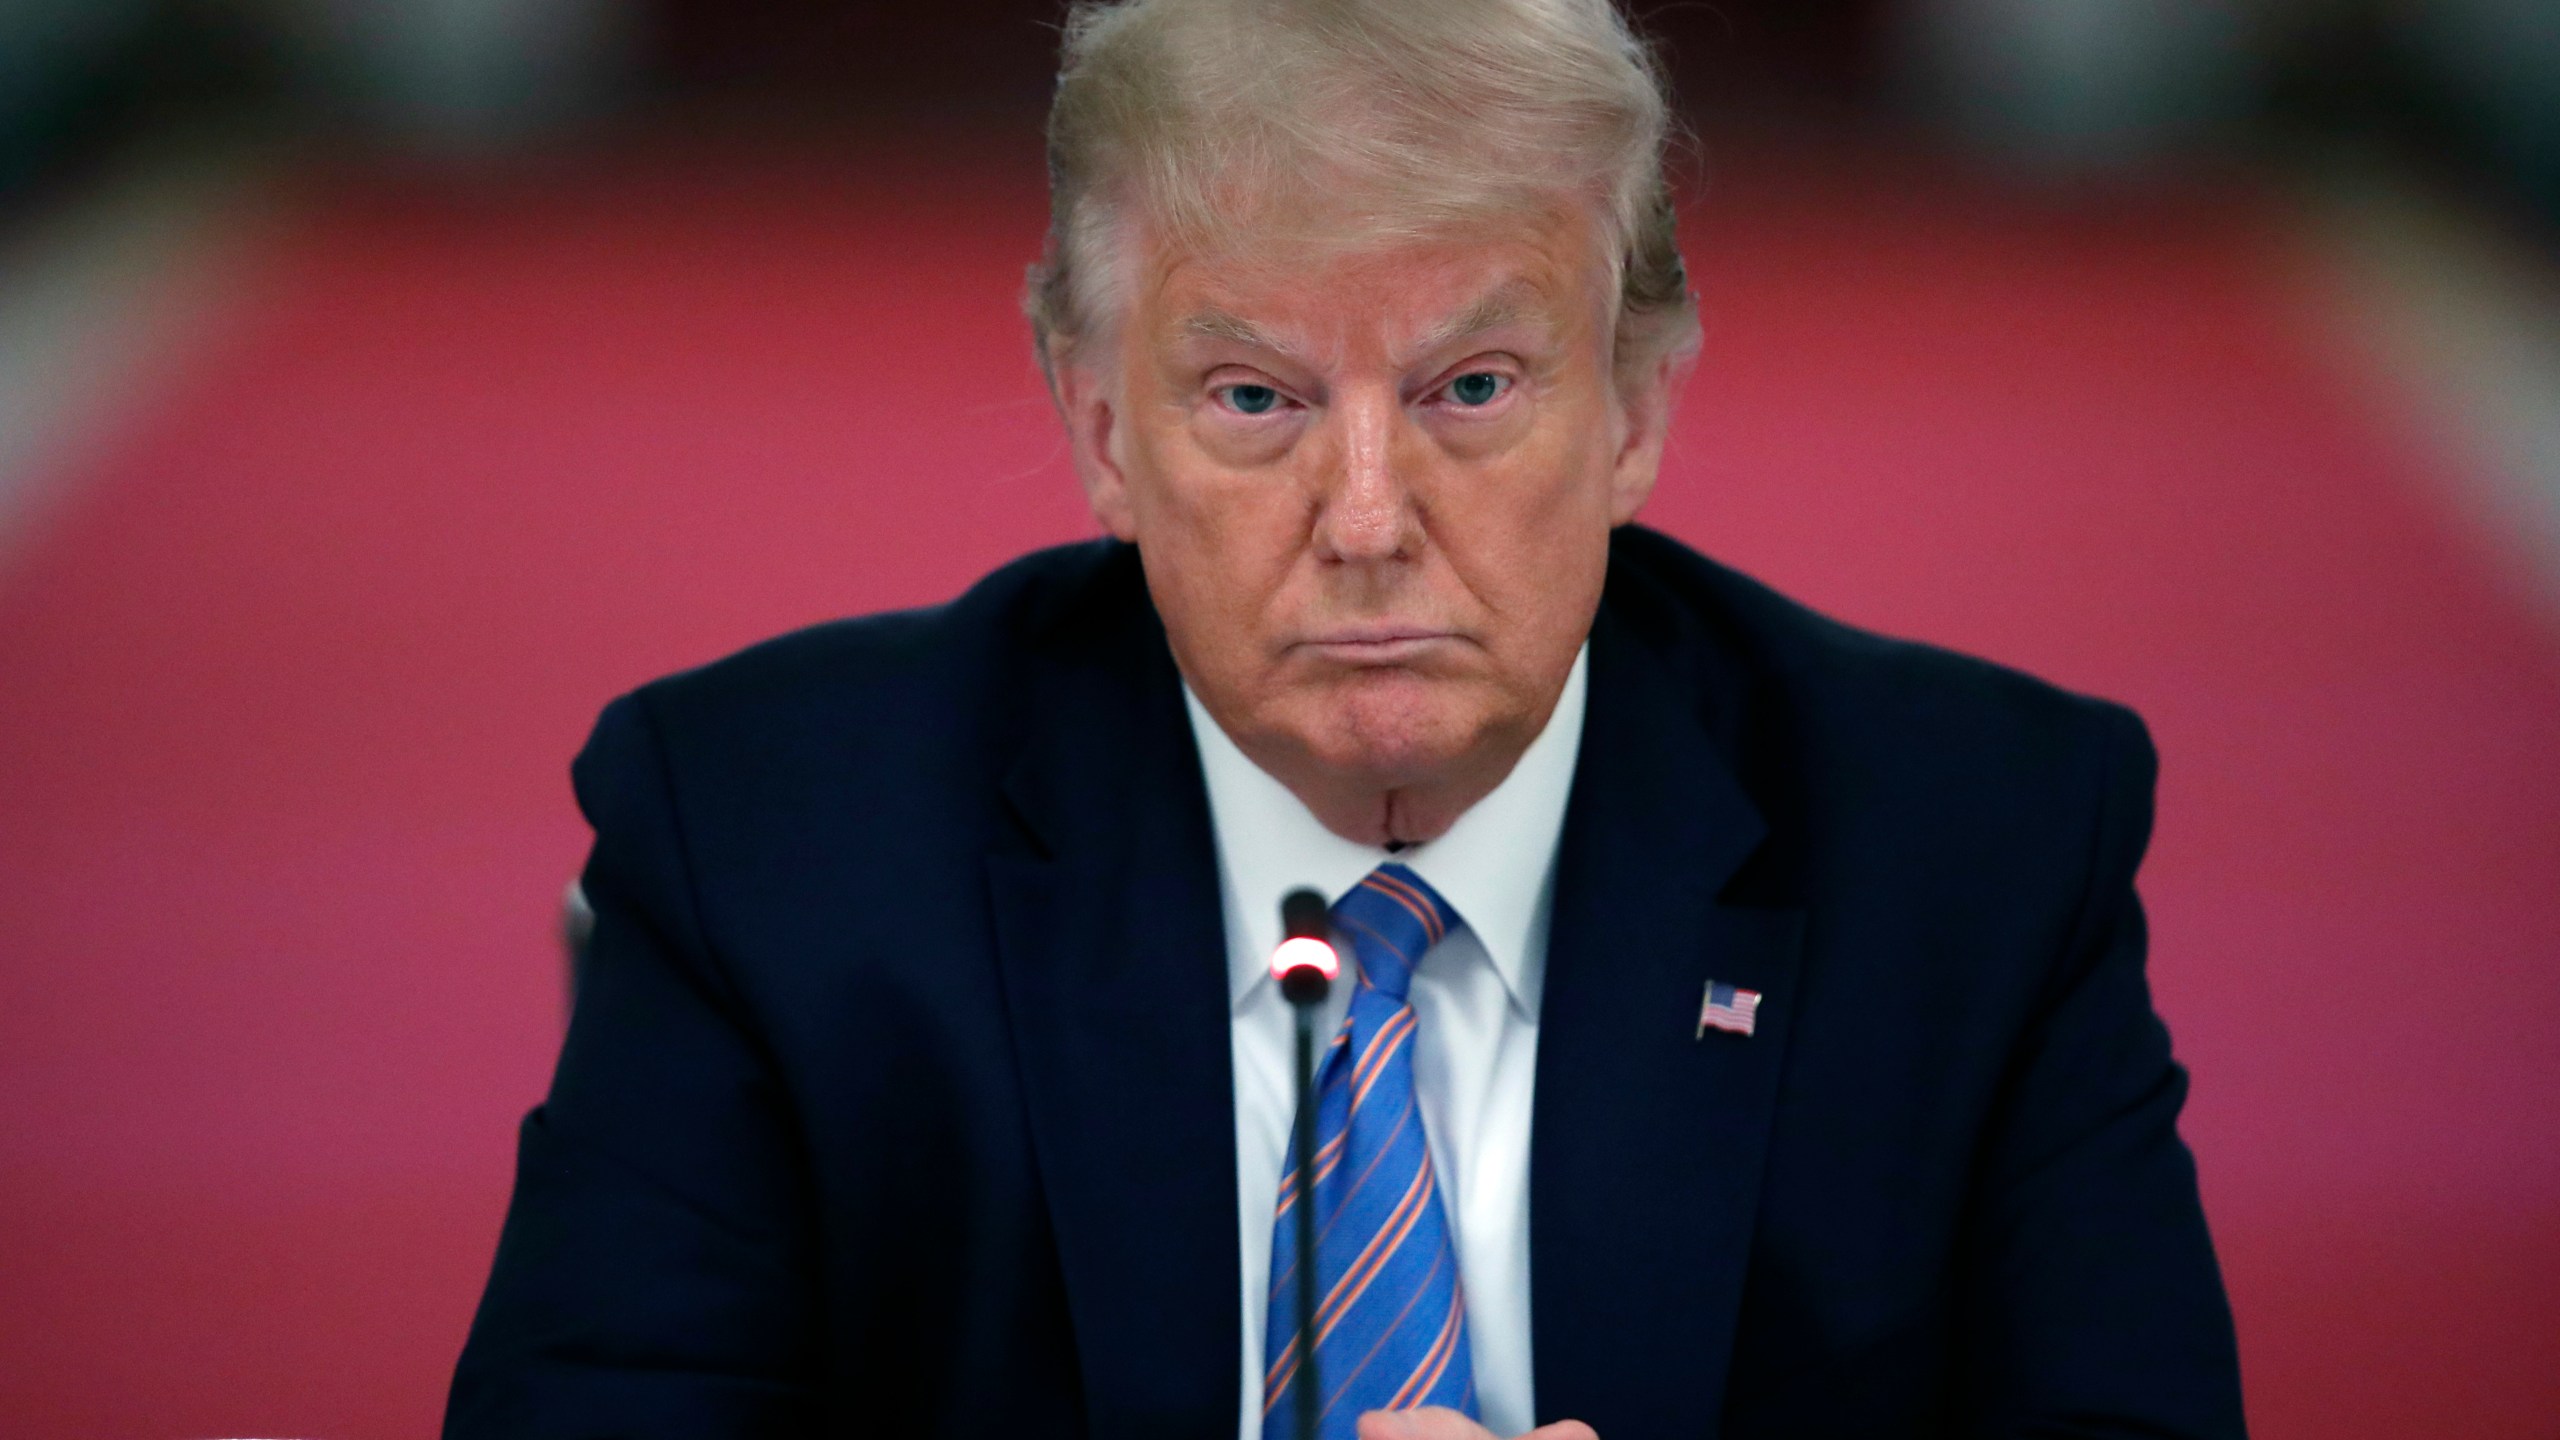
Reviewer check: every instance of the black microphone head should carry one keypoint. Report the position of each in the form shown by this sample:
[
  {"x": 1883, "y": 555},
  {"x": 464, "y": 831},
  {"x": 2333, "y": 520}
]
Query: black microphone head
[
  {"x": 1305, "y": 916},
  {"x": 1305, "y": 985}
]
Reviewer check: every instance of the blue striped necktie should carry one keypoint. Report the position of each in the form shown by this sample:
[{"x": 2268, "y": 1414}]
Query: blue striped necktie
[{"x": 1391, "y": 1315}]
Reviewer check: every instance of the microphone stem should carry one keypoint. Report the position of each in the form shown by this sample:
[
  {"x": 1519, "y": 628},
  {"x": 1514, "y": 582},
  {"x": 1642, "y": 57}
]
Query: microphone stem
[{"x": 1310, "y": 1393}]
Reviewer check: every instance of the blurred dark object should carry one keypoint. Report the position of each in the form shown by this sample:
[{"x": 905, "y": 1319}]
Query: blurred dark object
[
  {"x": 442, "y": 77},
  {"x": 79, "y": 76},
  {"x": 993, "y": 60},
  {"x": 2466, "y": 88},
  {"x": 954, "y": 61},
  {"x": 2045, "y": 90},
  {"x": 2073, "y": 87},
  {"x": 466, "y": 77}
]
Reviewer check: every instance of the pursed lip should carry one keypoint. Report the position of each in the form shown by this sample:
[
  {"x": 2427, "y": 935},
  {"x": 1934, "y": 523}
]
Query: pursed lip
[{"x": 1385, "y": 644}]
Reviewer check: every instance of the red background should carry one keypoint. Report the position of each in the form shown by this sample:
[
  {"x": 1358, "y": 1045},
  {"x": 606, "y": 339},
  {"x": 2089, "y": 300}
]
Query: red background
[{"x": 292, "y": 681}]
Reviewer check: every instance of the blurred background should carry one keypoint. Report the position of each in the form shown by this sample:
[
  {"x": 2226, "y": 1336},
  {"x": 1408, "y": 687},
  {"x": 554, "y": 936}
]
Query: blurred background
[{"x": 386, "y": 384}]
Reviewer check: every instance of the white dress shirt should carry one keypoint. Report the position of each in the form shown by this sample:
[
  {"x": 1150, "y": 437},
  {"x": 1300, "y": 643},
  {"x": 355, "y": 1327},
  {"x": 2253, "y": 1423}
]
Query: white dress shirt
[{"x": 1475, "y": 1000}]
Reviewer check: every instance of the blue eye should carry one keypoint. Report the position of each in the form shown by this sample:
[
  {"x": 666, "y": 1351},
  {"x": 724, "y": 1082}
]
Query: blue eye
[
  {"x": 1477, "y": 387},
  {"x": 1253, "y": 399}
]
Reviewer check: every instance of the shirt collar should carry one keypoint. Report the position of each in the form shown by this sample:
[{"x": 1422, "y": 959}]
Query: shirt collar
[{"x": 1494, "y": 866}]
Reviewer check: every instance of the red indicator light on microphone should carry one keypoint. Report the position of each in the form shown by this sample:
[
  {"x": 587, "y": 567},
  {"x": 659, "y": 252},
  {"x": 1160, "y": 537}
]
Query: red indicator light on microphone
[{"x": 1304, "y": 953}]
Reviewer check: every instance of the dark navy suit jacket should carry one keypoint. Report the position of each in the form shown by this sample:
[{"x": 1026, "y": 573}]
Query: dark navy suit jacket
[{"x": 896, "y": 1101}]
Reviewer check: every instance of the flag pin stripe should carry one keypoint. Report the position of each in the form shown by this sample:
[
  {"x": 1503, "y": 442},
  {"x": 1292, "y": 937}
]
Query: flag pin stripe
[{"x": 1728, "y": 1009}]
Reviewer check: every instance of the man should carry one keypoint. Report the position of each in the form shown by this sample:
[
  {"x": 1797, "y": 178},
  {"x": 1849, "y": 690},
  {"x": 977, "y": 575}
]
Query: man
[{"x": 1750, "y": 1034}]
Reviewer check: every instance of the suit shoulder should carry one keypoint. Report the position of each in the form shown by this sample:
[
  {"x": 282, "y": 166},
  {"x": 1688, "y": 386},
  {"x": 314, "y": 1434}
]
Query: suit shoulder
[
  {"x": 779, "y": 760},
  {"x": 1830, "y": 675},
  {"x": 922, "y": 670},
  {"x": 1854, "y": 732}
]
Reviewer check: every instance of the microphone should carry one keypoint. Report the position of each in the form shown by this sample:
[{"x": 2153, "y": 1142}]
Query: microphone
[
  {"x": 1305, "y": 964},
  {"x": 1306, "y": 961}
]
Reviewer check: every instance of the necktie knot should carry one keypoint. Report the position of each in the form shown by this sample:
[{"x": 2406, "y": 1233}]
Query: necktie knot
[{"x": 1391, "y": 917}]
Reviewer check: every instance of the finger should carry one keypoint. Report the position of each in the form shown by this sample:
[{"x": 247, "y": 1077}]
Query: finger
[
  {"x": 1434, "y": 1423},
  {"x": 1562, "y": 1430}
]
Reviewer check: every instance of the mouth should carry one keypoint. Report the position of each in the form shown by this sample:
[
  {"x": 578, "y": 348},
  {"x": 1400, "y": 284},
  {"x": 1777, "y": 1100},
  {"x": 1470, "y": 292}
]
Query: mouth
[{"x": 1387, "y": 644}]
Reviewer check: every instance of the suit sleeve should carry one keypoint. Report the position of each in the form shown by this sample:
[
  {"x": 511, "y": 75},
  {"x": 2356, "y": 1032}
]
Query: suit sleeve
[
  {"x": 655, "y": 1275},
  {"x": 2094, "y": 1305}
]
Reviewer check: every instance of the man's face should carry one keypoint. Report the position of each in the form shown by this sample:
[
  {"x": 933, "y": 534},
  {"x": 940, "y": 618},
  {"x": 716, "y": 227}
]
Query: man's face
[{"x": 1373, "y": 496}]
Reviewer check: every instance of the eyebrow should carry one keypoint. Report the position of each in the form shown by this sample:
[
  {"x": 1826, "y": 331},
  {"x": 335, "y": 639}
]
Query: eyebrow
[
  {"x": 1220, "y": 325},
  {"x": 1506, "y": 304}
]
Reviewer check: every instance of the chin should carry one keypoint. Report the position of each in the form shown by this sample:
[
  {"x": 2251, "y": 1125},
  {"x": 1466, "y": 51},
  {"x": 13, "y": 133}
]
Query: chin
[{"x": 1393, "y": 730}]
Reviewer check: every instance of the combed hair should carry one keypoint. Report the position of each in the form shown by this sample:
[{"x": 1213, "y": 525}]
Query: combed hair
[{"x": 1392, "y": 119}]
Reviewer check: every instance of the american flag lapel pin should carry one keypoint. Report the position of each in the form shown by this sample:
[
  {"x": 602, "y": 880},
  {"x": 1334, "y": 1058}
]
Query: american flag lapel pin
[{"x": 1728, "y": 1009}]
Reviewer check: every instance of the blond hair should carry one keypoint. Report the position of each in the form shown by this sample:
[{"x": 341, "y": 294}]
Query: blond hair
[{"x": 1391, "y": 119}]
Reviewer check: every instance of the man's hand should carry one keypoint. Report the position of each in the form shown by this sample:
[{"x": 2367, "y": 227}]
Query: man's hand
[{"x": 1438, "y": 1424}]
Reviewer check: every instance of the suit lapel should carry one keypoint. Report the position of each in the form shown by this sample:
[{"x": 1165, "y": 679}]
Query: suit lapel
[
  {"x": 1648, "y": 1139},
  {"x": 1114, "y": 967}
]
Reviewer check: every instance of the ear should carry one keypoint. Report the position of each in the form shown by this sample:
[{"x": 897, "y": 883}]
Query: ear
[
  {"x": 1087, "y": 401},
  {"x": 1644, "y": 408}
]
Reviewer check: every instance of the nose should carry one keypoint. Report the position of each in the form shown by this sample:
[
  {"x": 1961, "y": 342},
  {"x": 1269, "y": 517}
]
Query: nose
[{"x": 1367, "y": 509}]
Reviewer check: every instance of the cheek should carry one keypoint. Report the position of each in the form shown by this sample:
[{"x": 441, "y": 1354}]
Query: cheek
[
  {"x": 1236, "y": 528},
  {"x": 1220, "y": 549},
  {"x": 1192, "y": 473},
  {"x": 1530, "y": 539},
  {"x": 1544, "y": 500}
]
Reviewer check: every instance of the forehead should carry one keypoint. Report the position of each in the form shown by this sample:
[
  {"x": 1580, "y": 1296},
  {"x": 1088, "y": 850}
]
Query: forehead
[{"x": 1305, "y": 294}]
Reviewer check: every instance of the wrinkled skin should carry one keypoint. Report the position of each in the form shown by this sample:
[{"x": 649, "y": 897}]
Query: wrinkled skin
[{"x": 1373, "y": 493}]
